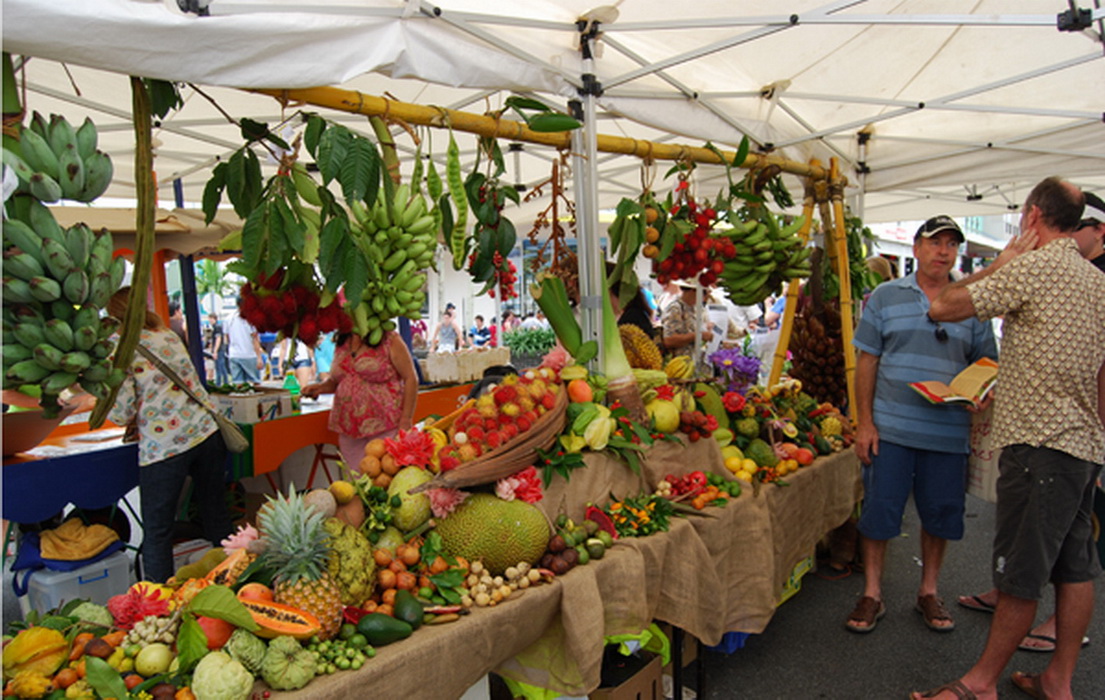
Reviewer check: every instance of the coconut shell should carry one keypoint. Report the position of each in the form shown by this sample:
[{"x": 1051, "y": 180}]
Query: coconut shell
[
  {"x": 351, "y": 513},
  {"x": 322, "y": 501}
]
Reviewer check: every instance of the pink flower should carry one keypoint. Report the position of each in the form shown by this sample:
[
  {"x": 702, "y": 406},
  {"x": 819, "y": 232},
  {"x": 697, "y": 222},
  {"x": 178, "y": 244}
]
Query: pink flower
[
  {"x": 557, "y": 358},
  {"x": 444, "y": 501},
  {"x": 524, "y": 485},
  {"x": 240, "y": 539}
]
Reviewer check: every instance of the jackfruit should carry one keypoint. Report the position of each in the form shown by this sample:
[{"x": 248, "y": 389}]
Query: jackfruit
[
  {"x": 640, "y": 351},
  {"x": 499, "y": 533}
]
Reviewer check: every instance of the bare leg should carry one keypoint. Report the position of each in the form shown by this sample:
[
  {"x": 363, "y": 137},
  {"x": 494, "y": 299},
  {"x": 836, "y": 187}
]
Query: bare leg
[
  {"x": 874, "y": 555},
  {"x": 932, "y": 556},
  {"x": 1073, "y": 607}
]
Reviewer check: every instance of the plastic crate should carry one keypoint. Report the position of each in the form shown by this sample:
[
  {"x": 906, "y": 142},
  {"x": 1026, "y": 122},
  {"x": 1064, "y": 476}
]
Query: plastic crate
[
  {"x": 730, "y": 642},
  {"x": 96, "y": 582}
]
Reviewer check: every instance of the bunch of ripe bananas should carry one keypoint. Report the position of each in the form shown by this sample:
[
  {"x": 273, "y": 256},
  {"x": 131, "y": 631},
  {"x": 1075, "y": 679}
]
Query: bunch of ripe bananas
[
  {"x": 55, "y": 161},
  {"x": 767, "y": 256},
  {"x": 55, "y": 282},
  {"x": 399, "y": 239}
]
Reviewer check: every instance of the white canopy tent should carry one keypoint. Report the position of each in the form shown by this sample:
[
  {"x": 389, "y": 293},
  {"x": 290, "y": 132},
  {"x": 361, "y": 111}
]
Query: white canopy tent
[{"x": 965, "y": 105}]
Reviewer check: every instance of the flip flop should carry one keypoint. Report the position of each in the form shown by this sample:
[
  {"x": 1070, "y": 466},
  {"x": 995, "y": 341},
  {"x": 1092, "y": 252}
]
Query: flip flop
[
  {"x": 1048, "y": 640},
  {"x": 1029, "y": 684},
  {"x": 974, "y": 602}
]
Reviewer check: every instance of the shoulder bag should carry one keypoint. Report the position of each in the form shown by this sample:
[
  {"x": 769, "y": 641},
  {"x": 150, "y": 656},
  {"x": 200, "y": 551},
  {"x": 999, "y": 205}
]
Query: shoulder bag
[{"x": 235, "y": 439}]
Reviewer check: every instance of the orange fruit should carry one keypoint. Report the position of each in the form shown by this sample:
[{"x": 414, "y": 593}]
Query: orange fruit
[
  {"x": 255, "y": 591},
  {"x": 376, "y": 448},
  {"x": 371, "y": 466},
  {"x": 389, "y": 465}
]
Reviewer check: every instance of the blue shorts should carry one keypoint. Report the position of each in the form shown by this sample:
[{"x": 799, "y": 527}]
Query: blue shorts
[
  {"x": 300, "y": 364},
  {"x": 936, "y": 479}
]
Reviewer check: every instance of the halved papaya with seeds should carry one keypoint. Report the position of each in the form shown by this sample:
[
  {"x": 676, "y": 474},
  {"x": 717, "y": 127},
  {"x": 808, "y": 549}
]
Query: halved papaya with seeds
[
  {"x": 276, "y": 619},
  {"x": 225, "y": 572}
]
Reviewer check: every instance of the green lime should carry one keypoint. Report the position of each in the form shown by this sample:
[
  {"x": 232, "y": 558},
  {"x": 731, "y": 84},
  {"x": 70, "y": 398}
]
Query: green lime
[
  {"x": 358, "y": 641},
  {"x": 347, "y": 630}
]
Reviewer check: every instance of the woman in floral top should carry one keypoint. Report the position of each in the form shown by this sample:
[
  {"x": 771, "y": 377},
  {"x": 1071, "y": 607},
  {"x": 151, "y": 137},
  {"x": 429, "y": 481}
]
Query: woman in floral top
[
  {"x": 375, "y": 389},
  {"x": 177, "y": 438}
]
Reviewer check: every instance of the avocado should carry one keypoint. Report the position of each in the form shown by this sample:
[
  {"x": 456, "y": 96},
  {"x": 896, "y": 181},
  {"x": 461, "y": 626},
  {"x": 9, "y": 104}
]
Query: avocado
[
  {"x": 380, "y": 629},
  {"x": 408, "y": 609}
]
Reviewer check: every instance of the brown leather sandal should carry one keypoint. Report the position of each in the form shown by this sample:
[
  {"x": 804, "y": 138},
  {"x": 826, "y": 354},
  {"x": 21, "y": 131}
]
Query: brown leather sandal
[
  {"x": 866, "y": 615},
  {"x": 932, "y": 610}
]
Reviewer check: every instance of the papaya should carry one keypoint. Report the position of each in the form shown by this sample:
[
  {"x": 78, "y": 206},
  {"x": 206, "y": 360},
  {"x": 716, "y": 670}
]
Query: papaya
[
  {"x": 275, "y": 619},
  {"x": 380, "y": 629},
  {"x": 222, "y": 573},
  {"x": 407, "y": 609}
]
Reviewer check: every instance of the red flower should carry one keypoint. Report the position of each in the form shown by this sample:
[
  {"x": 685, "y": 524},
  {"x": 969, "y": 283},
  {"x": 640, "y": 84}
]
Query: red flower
[
  {"x": 524, "y": 485},
  {"x": 411, "y": 447}
]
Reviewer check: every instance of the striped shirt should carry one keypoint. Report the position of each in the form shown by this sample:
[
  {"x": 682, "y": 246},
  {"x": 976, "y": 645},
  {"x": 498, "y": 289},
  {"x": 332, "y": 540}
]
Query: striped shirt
[{"x": 894, "y": 328}]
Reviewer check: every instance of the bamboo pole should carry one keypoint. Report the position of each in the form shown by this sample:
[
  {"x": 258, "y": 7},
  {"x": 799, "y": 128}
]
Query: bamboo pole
[
  {"x": 360, "y": 103},
  {"x": 847, "y": 318},
  {"x": 791, "y": 308}
]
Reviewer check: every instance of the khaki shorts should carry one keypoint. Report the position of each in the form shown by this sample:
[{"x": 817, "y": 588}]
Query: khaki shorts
[{"x": 1044, "y": 521}]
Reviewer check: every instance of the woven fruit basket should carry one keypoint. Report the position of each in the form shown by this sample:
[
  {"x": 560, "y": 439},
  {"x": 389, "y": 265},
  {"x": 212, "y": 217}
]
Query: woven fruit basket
[{"x": 508, "y": 459}]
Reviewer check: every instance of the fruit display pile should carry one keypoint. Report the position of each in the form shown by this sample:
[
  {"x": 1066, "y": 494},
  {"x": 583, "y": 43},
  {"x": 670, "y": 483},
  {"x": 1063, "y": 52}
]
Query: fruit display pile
[{"x": 296, "y": 310}]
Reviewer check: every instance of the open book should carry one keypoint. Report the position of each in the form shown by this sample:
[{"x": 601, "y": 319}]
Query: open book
[{"x": 968, "y": 387}]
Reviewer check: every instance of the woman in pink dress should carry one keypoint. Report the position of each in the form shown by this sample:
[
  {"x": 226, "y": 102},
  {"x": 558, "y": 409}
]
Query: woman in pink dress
[{"x": 375, "y": 390}]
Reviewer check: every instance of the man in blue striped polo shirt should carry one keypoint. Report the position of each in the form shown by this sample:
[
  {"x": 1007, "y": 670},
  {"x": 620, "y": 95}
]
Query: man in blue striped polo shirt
[{"x": 908, "y": 445}]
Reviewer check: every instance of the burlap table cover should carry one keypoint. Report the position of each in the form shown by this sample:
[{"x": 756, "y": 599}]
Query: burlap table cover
[{"x": 709, "y": 575}]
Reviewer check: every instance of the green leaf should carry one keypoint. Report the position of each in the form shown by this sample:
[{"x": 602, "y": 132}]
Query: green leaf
[
  {"x": 277, "y": 253},
  {"x": 742, "y": 152},
  {"x": 254, "y": 233},
  {"x": 587, "y": 352},
  {"x": 191, "y": 643},
  {"x": 164, "y": 96},
  {"x": 450, "y": 595},
  {"x": 220, "y": 602},
  {"x": 627, "y": 207},
  {"x": 507, "y": 237},
  {"x": 520, "y": 103},
  {"x": 294, "y": 230},
  {"x": 253, "y": 130},
  {"x": 450, "y": 578},
  {"x": 472, "y": 185},
  {"x": 330, "y": 238},
  {"x": 105, "y": 680},
  {"x": 677, "y": 168},
  {"x": 552, "y": 122},
  {"x": 333, "y": 146},
  {"x": 311, "y": 135},
  {"x": 356, "y": 274},
  {"x": 512, "y": 194},
  {"x": 213, "y": 192},
  {"x": 359, "y": 171}
]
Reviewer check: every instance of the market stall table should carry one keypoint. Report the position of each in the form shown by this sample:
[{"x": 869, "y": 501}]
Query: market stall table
[{"x": 708, "y": 575}]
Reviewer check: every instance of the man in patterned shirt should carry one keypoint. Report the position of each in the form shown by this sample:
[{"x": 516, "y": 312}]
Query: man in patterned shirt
[
  {"x": 677, "y": 323},
  {"x": 1049, "y": 412}
]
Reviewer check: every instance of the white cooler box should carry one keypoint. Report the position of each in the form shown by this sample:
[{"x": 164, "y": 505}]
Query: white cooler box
[{"x": 96, "y": 582}]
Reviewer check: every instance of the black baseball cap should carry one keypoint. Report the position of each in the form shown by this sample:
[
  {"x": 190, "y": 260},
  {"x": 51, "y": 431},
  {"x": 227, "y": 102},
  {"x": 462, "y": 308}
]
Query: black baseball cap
[
  {"x": 938, "y": 224},
  {"x": 1095, "y": 209}
]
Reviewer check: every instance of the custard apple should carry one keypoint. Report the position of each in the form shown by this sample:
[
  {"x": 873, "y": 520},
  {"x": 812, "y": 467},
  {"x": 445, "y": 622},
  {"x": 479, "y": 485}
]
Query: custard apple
[
  {"x": 287, "y": 665},
  {"x": 219, "y": 677},
  {"x": 247, "y": 648},
  {"x": 748, "y": 427}
]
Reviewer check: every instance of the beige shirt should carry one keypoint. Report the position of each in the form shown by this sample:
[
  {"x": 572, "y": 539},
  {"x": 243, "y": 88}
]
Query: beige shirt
[{"x": 1053, "y": 345}]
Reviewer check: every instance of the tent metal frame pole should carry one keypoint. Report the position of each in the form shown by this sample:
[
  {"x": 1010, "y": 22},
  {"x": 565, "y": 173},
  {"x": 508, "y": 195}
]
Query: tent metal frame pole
[
  {"x": 585, "y": 175},
  {"x": 915, "y": 20}
]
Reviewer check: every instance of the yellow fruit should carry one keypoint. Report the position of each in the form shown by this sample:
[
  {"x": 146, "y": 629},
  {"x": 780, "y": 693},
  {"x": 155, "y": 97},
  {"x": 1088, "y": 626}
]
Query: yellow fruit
[
  {"x": 343, "y": 492},
  {"x": 749, "y": 466},
  {"x": 744, "y": 476},
  {"x": 376, "y": 448},
  {"x": 733, "y": 464}
]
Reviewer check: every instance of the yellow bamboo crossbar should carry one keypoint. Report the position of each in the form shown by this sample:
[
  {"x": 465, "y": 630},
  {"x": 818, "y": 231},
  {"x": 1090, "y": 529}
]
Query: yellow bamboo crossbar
[
  {"x": 791, "y": 307},
  {"x": 483, "y": 125},
  {"x": 847, "y": 318}
]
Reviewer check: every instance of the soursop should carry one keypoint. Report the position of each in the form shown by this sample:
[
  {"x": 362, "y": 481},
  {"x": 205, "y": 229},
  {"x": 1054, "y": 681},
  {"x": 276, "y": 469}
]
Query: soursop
[
  {"x": 219, "y": 677},
  {"x": 91, "y": 612},
  {"x": 248, "y": 649},
  {"x": 287, "y": 665},
  {"x": 499, "y": 533},
  {"x": 351, "y": 564},
  {"x": 761, "y": 453},
  {"x": 748, "y": 427}
]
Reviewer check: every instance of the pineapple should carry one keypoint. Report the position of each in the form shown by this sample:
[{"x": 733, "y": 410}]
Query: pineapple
[{"x": 296, "y": 549}]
